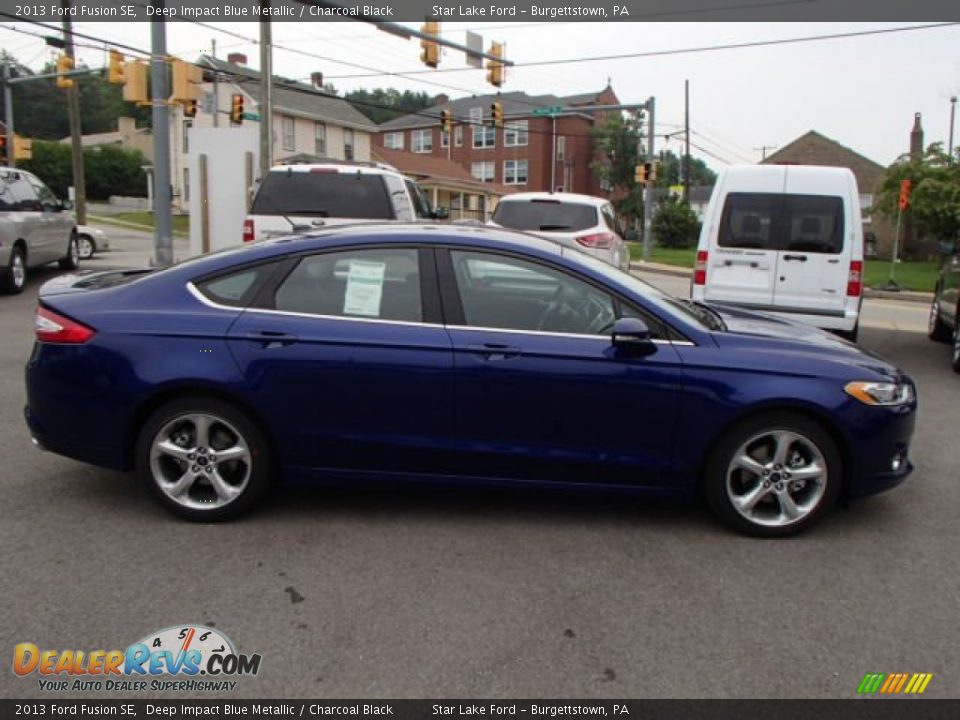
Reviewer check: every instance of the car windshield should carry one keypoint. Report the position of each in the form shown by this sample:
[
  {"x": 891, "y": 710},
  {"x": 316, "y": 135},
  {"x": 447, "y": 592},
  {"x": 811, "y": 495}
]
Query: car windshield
[
  {"x": 671, "y": 307},
  {"x": 545, "y": 215},
  {"x": 358, "y": 196}
]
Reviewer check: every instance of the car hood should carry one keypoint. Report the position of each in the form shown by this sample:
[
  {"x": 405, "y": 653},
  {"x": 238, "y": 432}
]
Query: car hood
[{"x": 760, "y": 329}]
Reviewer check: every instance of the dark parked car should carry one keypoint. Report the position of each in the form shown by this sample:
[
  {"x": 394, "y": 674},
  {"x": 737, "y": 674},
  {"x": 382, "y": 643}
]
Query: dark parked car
[
  {"x": 458, "y": 354},
  {"x": 945, "y": 310}
]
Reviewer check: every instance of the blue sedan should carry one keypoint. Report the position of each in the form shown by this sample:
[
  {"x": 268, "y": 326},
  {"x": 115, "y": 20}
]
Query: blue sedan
[{"x": 455, "y": 354}]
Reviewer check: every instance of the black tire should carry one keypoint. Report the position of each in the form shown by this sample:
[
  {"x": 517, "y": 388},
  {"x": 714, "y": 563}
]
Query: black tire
[
  {"x": 14, "y": 276},
  {"x": 937, "y": 330},
  {"x": 71, "y": 261},
  {"x": 955, "y": 356},
  {"x": 850, "y": 335},
  {"x": 86, "y": 247},
  {"x": 249, "y": 478},
  {"x": 813, "y": 498}
]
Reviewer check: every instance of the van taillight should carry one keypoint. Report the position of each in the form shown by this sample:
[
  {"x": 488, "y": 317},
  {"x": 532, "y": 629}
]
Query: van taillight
[
  {"x": 51, "y": 327},
  {"x": 855, "y": 279},
  {"x": 248, "y": 230},
  {"x": 700, "y": 269},
  {"x": 597, "y": 241}
]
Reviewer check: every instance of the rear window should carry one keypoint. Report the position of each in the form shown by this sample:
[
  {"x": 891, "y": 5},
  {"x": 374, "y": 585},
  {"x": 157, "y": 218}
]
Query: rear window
[
  {"x": 360, "y": 196},
  {"x": 813, "y": 223},
  {"x": 545, "y": 215},
  {"x": 748, "y": 221},
  {"x": 772, "y": 221}
]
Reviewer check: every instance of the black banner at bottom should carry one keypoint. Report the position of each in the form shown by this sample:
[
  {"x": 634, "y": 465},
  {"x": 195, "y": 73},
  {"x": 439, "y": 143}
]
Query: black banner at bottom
[{"x": 872, "y": 709}]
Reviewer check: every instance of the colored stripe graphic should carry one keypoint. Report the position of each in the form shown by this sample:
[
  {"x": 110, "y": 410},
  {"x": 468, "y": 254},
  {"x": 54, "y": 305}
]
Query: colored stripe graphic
[{"x": 894, "y": 683}]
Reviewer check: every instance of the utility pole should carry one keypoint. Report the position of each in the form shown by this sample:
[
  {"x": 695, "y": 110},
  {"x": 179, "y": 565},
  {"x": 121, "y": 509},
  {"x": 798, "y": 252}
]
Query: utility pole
[
  {"x": 162, "y": 237},
  {"x": 73, "y": 113},
  {"x": 648, "y": 196},
  {"x": 216, "y": 86},
  {"x": 686, "y": 134},
  {"x": 266, "y": 93},
  {"x": 8, "y": 112},
  {"x": 953, "y": 109},
  {"x": 763, "y": 150}
]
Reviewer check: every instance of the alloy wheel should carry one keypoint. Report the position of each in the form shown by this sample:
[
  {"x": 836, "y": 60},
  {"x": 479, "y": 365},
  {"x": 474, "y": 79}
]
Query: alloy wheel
[
  {"x": 934, "y": 316},
  {"x": 776, "y": 478},
  {"x": 17, "y": 270},
  {"x": 85, "y": 247}
]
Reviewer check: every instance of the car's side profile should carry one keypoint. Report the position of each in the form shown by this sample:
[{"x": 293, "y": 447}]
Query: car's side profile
[
  {"x": 945, "y": 309},
  {"x": 456, "y": 354}
]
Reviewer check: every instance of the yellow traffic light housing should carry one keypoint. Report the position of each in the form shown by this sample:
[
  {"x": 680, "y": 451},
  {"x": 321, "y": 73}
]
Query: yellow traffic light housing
[
  {"x": 446, "y": 120},
  {"x": 22, "y": 148},
  {"x": 236, "y": 108},
  {"x": 135, "y": 82},
  {"x": 650, "y": 168},
  {"x": 190, "y": 109},
  {"x": 186, "y": 81},
  {"x": 64, "y": 65},
  {"x": 115, "y": 68},
  {"x": 496, "y": 114},
  {"x": 640, "y": 174},
  {"x": 429, "y": 49},
  {"x": 496, "y": 70}
]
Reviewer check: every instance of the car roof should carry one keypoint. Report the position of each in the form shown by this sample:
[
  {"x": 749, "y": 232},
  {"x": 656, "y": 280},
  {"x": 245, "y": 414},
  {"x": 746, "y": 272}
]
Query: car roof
[
  {"x": 363, "y": 168},
  {"x": 557, "y": 196}
]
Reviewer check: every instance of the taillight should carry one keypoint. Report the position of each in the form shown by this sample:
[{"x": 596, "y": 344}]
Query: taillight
[
  {"x": 248, "y": 230},
  {"x": 54, "y": 328},
  {"x": 700, "y": 269},
  {"x": 597, "y": 241},
  {"x": 855, "y": 279}
]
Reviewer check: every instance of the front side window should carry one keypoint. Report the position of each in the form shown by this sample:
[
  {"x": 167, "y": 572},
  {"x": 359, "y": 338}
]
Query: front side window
[
  {"x": 289, "y": 140},
  {"x": 319, "y": 139},
  {"x": 504, "y": 292},
  {"x": 376, "y": 284},
  {"x": 44, "y": 194},
  {"x": 420, "y": 202},
  {"x": 421, "y": 141},
  {"x": 483, "y": 171},
  {"x": 515, "y": 172},
  {"x": 515, "y": 133}
]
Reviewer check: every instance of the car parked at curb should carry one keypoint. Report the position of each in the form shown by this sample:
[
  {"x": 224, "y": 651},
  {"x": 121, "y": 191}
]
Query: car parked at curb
[
  {"x": 944, "y": 325},
  {"x": 35, "y": 229},
  {"x": 91, "y": 240},
  {"x": 454, "y": 354}
]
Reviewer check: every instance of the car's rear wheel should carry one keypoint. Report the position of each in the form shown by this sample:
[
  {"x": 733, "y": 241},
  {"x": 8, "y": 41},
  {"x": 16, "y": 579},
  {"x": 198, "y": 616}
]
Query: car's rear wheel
[
  {"x": 956, "y": 345},
  {"x": 773, "y": 475},
  {"x": 71, "y": 261},
  {"x": 203, "y": 458},
  {"x": 15, "y": 275},
  {"x": 937, "y": 330},
  {"x": 86, "y": 247}
]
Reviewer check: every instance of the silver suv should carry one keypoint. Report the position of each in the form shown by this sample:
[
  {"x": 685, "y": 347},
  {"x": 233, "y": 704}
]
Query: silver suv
[
  {"x": 304, "y": 197},
  {"x": 35, "y": 228}
]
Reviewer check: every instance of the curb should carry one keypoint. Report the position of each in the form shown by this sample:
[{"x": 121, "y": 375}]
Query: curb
[{"x": 107, "y": 220}]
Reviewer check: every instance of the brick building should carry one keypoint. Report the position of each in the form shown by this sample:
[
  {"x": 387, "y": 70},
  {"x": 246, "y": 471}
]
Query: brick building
[{"x": 529, "y": 153}]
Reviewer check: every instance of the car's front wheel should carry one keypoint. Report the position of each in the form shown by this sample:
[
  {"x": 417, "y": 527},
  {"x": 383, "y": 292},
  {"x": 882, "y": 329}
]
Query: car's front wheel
[
  {"x": 956, "y": 345},
  {"x": 773, "y": 475},
  {"x": 203, "y": 458},
  {"x": 937, "y": 330},
  {"x": 15, "y": 275}
]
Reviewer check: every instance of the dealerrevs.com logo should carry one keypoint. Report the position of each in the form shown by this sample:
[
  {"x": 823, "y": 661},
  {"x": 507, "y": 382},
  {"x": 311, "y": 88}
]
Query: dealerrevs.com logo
[{"x": 191, "y": 658}]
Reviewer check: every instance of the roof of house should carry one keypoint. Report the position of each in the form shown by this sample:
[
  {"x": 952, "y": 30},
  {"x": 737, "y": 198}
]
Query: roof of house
[
  {"x": 515, "y": 104},
  {"x": 297, "y": 97},
  {"x": 437, "y": 169},
  {"x": 785, "y": 152}
]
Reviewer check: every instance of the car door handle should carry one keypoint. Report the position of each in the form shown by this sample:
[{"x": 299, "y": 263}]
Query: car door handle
[
  {"x": 799, "y": 258},
  {"x": 271, "y": 339},
  {"x": 494, "y": 351}
]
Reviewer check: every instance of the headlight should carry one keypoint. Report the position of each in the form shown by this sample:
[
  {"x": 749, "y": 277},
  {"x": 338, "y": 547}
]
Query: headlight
[{"x": 880, "y": 393}]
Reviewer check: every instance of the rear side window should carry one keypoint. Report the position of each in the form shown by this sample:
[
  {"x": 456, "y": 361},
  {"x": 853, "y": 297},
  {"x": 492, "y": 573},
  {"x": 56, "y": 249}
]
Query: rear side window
[
  {"x": 748, "y": 221},
  {"x": 359, "y": 196},
  {"x": 813, "y": 223},
  {"x": 545, "y": 215},
  {"x": 236, "y": 289}
]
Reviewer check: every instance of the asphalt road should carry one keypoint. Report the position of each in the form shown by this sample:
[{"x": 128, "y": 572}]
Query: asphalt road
[{"x": 449, "y": 593}]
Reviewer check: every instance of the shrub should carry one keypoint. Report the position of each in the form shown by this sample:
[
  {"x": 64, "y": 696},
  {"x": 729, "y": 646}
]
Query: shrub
[
  {"x": 108, "y": 169},
  {"x": 675, "y": 225}
]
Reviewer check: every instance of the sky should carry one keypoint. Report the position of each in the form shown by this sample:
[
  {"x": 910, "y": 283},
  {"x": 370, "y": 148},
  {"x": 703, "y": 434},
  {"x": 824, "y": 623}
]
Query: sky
[{"x": 862, "y": 92}]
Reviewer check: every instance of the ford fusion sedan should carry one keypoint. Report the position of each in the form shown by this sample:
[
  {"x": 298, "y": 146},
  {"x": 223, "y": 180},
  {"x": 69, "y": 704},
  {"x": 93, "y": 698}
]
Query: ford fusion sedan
[{"x": 454, "y": 354}]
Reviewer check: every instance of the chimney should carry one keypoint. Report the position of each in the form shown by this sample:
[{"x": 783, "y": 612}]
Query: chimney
[
  {"x": 316, "y": 78},
  {"x": 441, "y": 99},
  {"x": 916, "y": 137},
  {"x": 237, "y": 59}
]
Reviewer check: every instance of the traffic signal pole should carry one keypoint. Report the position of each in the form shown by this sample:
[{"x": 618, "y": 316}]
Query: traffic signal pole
[
  {"x": 8, "y": 112},
  {"x": 648, "y": 191},
  {"x": 162, "y": 236},
  {"x": 266, "y": 94},
  {"x": 73, "y": 113}
]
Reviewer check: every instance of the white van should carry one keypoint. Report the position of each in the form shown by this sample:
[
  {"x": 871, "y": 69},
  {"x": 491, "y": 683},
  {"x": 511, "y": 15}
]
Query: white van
[{"x": 787, "y": 240}]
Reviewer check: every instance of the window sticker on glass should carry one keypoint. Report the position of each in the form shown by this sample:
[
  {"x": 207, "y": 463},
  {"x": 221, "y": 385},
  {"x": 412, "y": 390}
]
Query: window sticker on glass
[{"x": 364, "y": 288}]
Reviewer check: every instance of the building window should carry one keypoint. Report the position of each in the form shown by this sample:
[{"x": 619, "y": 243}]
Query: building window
[
  {"x": 483, "y": 136},
  {"x": 421, "y": 141},
  {"x": 347, "y": 144},
  {"x": 515, "y": 133},
  {"x": 186, "y": 185},
  {"x": 458, "y": 136},
  {"x": 561, "y": 147},
  {"x": 287, "y": 128},
  {"x": 187, "y": 124},
  {"x": 515, "y": 172},
  {"x": 484, "y": 171},
  {"x": 444, "y": 139},
  {"x": 393, "y": 141},
  {"x": 319, "y": 139}
]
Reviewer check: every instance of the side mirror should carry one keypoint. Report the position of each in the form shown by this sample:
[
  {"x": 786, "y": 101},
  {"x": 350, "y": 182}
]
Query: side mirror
[
  {"x": 633, "y": 335},
  {"x": 441, "y": 213},
  {"x": 66, "y": 204}
]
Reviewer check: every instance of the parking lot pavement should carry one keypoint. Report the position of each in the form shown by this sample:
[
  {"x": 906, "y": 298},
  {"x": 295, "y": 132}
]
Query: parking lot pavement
[{"x": 445, "y": 593}]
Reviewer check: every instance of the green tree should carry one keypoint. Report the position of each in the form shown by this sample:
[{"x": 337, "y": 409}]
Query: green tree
[
  {"x": 675, "y": 225},
  {"x": 935, "y": 193},
  {"x": 617, "y": 141},
  {"x": 671, "y": 171},
  {"x": 381, "y": 105},
  {"x": 109, "y": 170}
]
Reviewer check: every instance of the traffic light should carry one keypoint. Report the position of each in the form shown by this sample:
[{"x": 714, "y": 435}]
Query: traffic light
[
  {"x": 496, "y": 70},
  {"x": 186, "y": 81},
  {"x": 496, "y": 114},
  {"x": 446, "y": 120},
  {"x": 429, "y": 49},
  {"x": 135, "y": 82},
  {"x": 904, "y": 200},
  {"x": 115, "y": 68},
  {"x": 640, "y": 174},
  {"x": 64, "y": 65},
  {"x": 645, "y": 173},
  {"x": 236, "y": 108},
  {"x": 3, "y": 149},
  {"x": 22, "y": 148},
  {"x": 190, "y": 108}
]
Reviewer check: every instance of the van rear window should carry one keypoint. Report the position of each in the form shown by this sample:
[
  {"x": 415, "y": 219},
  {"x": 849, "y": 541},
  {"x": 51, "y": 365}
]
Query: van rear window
[
  {"x": 772, "y": 221},
  {"x": 359, "y": 196}
]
